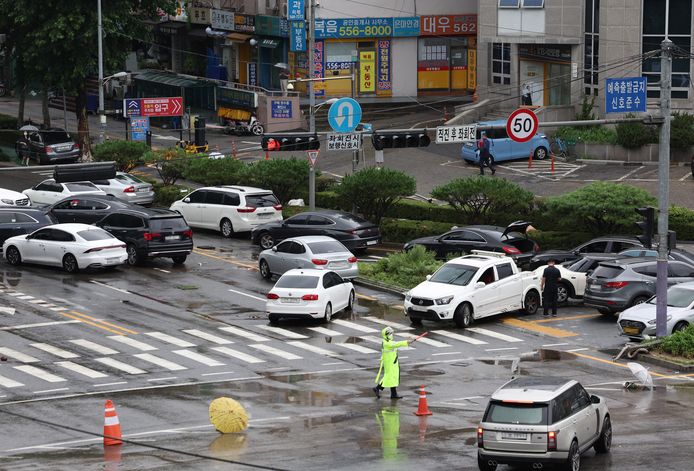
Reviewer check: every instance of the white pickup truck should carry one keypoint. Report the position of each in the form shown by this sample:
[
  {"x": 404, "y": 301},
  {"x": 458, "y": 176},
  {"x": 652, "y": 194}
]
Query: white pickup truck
[{"x": 471, "y": 287}]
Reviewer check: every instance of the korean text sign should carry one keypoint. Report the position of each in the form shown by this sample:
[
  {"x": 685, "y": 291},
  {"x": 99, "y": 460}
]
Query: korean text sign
[{"x": 625, "y": 95}]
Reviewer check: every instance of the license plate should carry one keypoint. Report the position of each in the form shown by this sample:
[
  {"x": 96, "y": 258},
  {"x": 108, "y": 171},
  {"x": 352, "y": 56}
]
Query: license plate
[
  {"x": 596, "y": 287},
  {"x": 142, "y": 190},
  {"x": 513, "y": 436},
  {"x": 172, "y": 237},
  {"x": 372, "y": 242},
  {"x": 264, "y": 215},
  {"x": 64, "y": 148},
  {"x": 339, "y": 265},
  {"x": 630, "y": 330},
  {"x": 113, "y": 260},
  {"x": 289, "y": 300},
  {"x": 414, "y": 307}
]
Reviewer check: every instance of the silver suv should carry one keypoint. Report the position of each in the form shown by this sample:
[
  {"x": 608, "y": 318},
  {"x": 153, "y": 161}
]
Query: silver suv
[{"x": 539, "y": 421}]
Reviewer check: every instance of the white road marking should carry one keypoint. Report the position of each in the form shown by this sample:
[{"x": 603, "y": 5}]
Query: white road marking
[
  {"x": 19, "y": 356},
  {"x": 9, "y": 383},
  {"x": 555, "y": 344},
  {"x": 462, "y": 338},
  {"x": 40, "y": 374},
  {"x": 578, "y": 350},
  {"x": 170, "y": 339},
  {"x": 119, "y": 365},
  {"x": 83, "y": 370},
  {"x": 101, "y": 385},
  {"x": 238, "y": 355},
  {"x": 354, "y": 326},
  {"x": 39, "y": 324},
  {"x": 16, "y": 293},
  {"x": 500, "y": 349},
  {"x": 162, "y": 270},
  {"x": 59, "y": 308},
  {"x": 168, "y": 378},
  {"x": 169, "y": 365},
  {"x": 144, "y": 347},
  {"x": 275, "y": 351},
  {"x": 59, "y": 352},
  {"x": 324, "y": 331},
  {"x": 208, "y": 337},
  {"x": 684, "y": 177},
  {"x": 446, "y": 353},
  {"x": 195, "y": 356},
  {"x": 95, "y": 347},
  {"x": 496, "y": 335},
  {"x": 124, "y": 291},
  {"x": 244, "y": 333},
  {"x": 433, "y": 343},
  {"x": 312, "y": 348},
  {"x": 37, "y": 301},
  {"x": 51, "y": 390},
  {"x": 26, "y": 297},
  {"x": 248, "y": 295},
  {"x": 627, "y": 175},
  {"x": 394, "y": 325},
  {"x": 331, "y": 363},
  {"x": 283, "y": 332},
  {"x": 356, "y": 347}
]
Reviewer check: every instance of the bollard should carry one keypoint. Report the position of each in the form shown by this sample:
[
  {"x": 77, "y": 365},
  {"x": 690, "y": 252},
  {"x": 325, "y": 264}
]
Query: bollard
[
  {"x": 234, "y": 151},
  {"x": 552, "y": 164},
  {"x": 530, "y": 160}
]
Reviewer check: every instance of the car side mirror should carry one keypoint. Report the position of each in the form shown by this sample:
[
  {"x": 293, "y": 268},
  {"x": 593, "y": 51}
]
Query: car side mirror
[
  {"x": 594, "y": 399},
  {"x": 29, "y": 237},
  {"x": 428, "y": 277},
  {"x": 186, "y": 200},
  {"x": 480, "y": 284},
  {"x": 274, "y": 248}
]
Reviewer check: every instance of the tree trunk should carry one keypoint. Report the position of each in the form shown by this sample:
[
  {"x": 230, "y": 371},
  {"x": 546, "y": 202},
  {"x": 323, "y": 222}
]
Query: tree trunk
[
  {"x": 83, "y": 124},
  {"x": 22, "y": 89},
  {"x": 44, "y": 107}
]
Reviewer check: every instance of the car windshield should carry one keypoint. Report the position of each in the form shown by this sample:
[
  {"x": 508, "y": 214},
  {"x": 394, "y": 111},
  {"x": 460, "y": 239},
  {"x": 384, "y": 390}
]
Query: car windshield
[
  {"x": 454, "y": 274},
  {"x": 677, "y": 297},
  {"x": 297, "y": 282},
  {"x": 81, "y": 186},
  {"x": 126, "y": 177},
  {"x": 261, "y": 201},
  {"x": 95, "y": 234},
  {"x": 56, "y": 137},
  {"x": 517, "y": 413},
  {"x": 168, "y": 224},
  {"x": 607, "y": 271},
  {"x": 329, "y": 246}
]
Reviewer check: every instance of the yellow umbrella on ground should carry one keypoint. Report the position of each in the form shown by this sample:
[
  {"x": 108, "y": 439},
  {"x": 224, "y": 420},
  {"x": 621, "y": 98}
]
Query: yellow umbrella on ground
[{"x": 227, "y": 415}]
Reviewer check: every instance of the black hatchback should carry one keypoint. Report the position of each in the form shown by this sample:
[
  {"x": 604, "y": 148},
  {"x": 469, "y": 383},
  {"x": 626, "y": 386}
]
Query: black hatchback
[
  {"x": 150, "y": 233},
  {"x": 18, "y": 221}
]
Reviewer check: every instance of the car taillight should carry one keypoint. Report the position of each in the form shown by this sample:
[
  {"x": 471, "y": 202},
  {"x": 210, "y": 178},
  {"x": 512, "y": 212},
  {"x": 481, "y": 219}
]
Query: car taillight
[
  {"x": 188, "y": 233},
  {"x": 510, "y": 250},
  {"x": 97, "y": 249},
  {"x": 152, "y": 235},
  {"x": 272, "y": 296},
  {"x": 246, "y": 209},
  {"x": 551, "y": 441},
  {"x": 616, "y": 284},
  {"x": 319, "y": 261},
  {"x": 310, "y": 297},
  {"x": 352, "y": 259},
  {"x": 278, "y": 207},
  {"x": 480, "y": 437},
  {"x": 76, "y": 145},
  {"x": 130, "y": 189}
]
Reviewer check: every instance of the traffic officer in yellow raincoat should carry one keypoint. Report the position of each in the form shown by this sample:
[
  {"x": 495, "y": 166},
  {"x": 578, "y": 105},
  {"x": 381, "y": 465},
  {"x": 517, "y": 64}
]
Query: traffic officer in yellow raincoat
[{"x": 389, "y": 364}]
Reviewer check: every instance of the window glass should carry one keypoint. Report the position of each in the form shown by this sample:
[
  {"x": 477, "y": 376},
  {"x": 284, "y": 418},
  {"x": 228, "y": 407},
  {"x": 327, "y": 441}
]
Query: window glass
[
  {"x": 95, "y": 234},
  {"x": 128, "y": 220},
  {"x": 214, "y": 197},
  {"x": 579, "y": 399},
  {"x": 488, "y": 276},
  {"x": 328, "y": 281},
  {"x": 113, "y": 220},
  {"x": 471, "y": 236},
  {"x": 299, "y": 219},
  {"x": 297, "y": 281},
  {"x": 648, "y": 270},
  {"x": 618, "y": 246},
  {"x": 47, "y": 186},
  {"x": 262, "y": 201},
  {"x": 197, "y": 196},
  {"x": 81, "y": 186},
  {"x": 504, "y": 270},
  {"x": 6, "y": 218},
  {"x": 297, "y": 248},
  {"x": 594, "y": 247},
  {"x": 533, "y": 3},
  {"x": 561, "y": 407},
  {"x": 35, "y": 137},
  {"x": 168, "y": 224},
  {"x": 679, "y": 297},
  {"x": 331, "y": 246},
  {"x": 67, "y": 204},
  {"x": 43, "y": 234},
  {"x": 675, "y": 269},
  {"x": 521, "y": 414},
  {"x": 61, "y": 236},
  {"x": 454, "y": 236},
  {"x": 509, "y": 3},
  {"x": 126, "y": 177},
  {"x": 607, "y": 271},
  {"x": 318, "y": 221},
  {"x": 680, "y": 17},
  {"x": 654, "y": 17},
  {"x": 56, "y": 137},
  {"x": 454, "y": 274},
  {"x": 231, "y": 199},
  {"x": 284, "y": 247},
  {"x": 23, "y": 218}
]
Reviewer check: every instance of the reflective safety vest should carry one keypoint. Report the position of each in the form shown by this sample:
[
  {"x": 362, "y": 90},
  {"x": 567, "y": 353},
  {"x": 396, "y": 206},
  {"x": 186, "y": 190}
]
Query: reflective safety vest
[{"x": 389, "y": 364}]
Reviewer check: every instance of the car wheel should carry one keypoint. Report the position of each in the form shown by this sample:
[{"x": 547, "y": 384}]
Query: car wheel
[
  {"x": 638, "y": 300},
  {"x": 70, "y": 264},
  {"x": 573, "y": 461},
  {"x": 350, "y": 302},
  {"x": 680, "y": 326},
  {"x": 328, "y": 313},
  {"x": 415, "y": 321},
  {"x": 133, "y": 257},
  {"x": 226, "y": 228},
  {"x": 13, "y": 256},
  {"x": 264, "y": 269},
  {"x": 484, "y": 465},
  {"x": 179, "y": 260},
  {"x": 604, "y": 442},
  {"x": 531, "y": 303},
  {"x": 257, "y": 129},
  {"x": 463, "y": 316},
  {"x": 564, "y": 292},
  {"x": 540, "y": 153},
  {"x": 273, "y": 318},
  {"x": 266, "y": 240},
  {"x": 604, "y": 311}
]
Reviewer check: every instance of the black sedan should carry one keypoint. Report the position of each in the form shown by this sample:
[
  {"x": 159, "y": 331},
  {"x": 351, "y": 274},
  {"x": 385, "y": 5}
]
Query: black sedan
[
  {"x": 461, "y": 240},
  {"x": 18, "y": 221},
  {"x": 611, "y": 245},
  {"x": 86, "y": 209},
  {"x": 354, "y": 232}
]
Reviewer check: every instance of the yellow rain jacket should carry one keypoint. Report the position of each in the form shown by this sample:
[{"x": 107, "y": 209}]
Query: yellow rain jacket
[{"x": 389, "y": 362}]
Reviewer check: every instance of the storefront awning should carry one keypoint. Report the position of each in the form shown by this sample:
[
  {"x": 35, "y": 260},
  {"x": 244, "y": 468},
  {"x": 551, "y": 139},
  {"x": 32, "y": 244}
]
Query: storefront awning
[
  {"x": 170, "y": 79},
  {"x": 237, "y": 37},
  {"x": 269, "y": 43}
]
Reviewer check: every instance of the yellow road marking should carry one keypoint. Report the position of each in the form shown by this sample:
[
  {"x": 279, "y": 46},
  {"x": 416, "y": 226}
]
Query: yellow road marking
[
  {"x": 92, "y": 323},
  {"x": 551, "y": 331},
  {"x": 397, "y": 306},
  {"x": 77, "y": 313},
  {"x": 368, "y": 298},
  {"x": 233, "y": 262},
  {"x": 565, "y": 318},
  {"x": 610, "y": 362}
]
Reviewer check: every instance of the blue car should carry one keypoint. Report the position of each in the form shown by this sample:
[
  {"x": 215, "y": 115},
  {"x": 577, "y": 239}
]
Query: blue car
[{"x": 503, "y": 147}]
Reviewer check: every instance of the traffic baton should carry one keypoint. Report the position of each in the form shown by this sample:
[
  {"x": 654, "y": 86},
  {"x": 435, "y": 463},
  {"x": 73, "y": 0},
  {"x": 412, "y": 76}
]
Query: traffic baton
[{"x": 420, "y": 336}]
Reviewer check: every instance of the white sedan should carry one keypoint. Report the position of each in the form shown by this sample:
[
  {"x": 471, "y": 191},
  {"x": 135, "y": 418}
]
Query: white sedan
[
  {"x": 49, "y": 192},
  {"x": 312, "y": 293},
  {"x": 72, "y": 246},
  {"x": 13, "y": 198},
  {"x": 639, "y": 321}
]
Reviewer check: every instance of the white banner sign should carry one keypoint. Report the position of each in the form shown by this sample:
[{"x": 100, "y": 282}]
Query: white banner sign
[
  {"x": 343, "y": 141},
  {"x": 222, "y": 19},
  {"x": 453, "y": 134}
]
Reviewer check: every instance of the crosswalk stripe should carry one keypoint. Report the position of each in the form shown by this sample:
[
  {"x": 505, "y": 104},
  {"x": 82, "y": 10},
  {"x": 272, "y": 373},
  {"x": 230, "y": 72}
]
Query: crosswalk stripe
[
  {"x": 83, "y": 370},
  {"x": 26, "y": 297},
  {"x": 19, "y": 356},
  {"x": 379, "y": 342},
  {"x": 208, "y": 337},
  {"x": 239, "y": 355},
  {"x": 275, "y": 351},
  {"x": 9, "y": 383},
  {"x": 145, "y": 347},
  {"x": 462, "y": 338},
  {"x": 356, "y": 348},
  {"x": 324, "y": 331},
  {"x": 119, "y": 365},
  {"x": 195, "y": 356},
  {"x": 59, "y": 352},
  {"x": 40, "y": 374},
  {"x": 16, "y": 294},
  {"x": 244, "y": 333},
  {"x": 354, "y": 326},
  {"x": 283, "y": 332},
  {"x": 394, "y": 325},
  {"x": 311, "y": 348},
  {"x": 432, "y": 342},
  {"x": 37, "y": 301},
  {"x": 170, "y": 339},
  {"x": 496, "y": 335},
  {"x": 169, "y": 365},
  {"x": 95, "y": 347}
]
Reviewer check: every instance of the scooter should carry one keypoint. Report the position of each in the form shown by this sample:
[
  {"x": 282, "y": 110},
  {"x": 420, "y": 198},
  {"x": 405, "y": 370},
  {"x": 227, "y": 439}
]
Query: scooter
[{"x": 239, "y": 128}]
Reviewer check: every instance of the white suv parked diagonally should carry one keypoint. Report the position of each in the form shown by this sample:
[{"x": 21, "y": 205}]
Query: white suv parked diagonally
[{"x": 229, "y": 209}]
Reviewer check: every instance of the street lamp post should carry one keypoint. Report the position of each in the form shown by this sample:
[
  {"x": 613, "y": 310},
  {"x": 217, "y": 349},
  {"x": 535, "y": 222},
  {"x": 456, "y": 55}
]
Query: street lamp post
[{"x": 100, "y": 32}]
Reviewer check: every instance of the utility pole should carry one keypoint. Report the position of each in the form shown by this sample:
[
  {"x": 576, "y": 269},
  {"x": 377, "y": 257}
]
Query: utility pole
[
  {"x": 311, "y": 99},
  {"x": 663, "y": 187},
  {"x": 102, "y": 111}
]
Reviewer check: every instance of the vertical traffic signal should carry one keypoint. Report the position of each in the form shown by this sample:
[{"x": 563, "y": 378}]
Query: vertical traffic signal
[
  {"x": 398, "y": 139},
  {"x": 647, "y": 225},
  {"x": 199, "y": 124},
  {"x": 290, "y": 142}
]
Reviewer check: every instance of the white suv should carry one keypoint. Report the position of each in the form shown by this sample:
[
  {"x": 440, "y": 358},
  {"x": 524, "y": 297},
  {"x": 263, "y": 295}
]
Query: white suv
[
  {"x": 229, "y": 209},
  {"x": 13, "y": 198}
]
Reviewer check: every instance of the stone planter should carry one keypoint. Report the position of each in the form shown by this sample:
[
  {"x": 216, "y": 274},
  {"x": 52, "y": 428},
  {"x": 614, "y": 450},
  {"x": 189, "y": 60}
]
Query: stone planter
[{"x": 614, "y": 152}]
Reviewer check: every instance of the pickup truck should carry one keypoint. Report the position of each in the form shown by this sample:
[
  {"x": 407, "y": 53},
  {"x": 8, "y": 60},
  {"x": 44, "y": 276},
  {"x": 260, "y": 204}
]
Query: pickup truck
[{"x": 471, "y": 287}]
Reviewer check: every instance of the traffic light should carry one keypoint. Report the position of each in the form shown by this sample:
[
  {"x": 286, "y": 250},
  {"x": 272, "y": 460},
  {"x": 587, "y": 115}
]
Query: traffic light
[
  {"x": 199, "y": 132},
  {"x": 397, "y": 139},
  {"x": 647, "y": 226},
  {"x": 671, "y": 240},
  {"x": 289, "y": 142}
]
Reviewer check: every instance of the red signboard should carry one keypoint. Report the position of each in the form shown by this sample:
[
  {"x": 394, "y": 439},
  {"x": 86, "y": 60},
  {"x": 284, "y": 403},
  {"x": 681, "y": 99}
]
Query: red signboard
[
  {"x": 447, "y": 25},
  {"x": 161, "y": 106}
]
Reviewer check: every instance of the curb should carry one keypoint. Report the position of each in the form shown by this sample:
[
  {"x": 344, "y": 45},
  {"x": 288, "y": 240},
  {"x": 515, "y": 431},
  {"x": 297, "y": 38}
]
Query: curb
[
  {"x": 628, "y": 163},
  {"x": 375, "y": 285},
  {"x": 664, "y": 363}
]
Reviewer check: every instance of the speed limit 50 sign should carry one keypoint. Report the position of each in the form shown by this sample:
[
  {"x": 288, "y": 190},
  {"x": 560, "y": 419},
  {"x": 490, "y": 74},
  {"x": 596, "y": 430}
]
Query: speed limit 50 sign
[{"x": 522, "y": 125}]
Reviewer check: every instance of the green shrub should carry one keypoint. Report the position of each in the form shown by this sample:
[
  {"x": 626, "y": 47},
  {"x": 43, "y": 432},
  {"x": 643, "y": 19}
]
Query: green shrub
[
  {"x": 164, "y": 195},
  {"x": 587, "y": 105},
  {"x": 403, "y": 230},
  {"x": 169, "y": 163},
  {"x": 8, "y": 122},
  {"x": 331, "y": 200},
  {"x": 404, "y": 269},
  {"x": 422, "y": 211},
  {"x": 287, "y": 178},
  {"x": 325, "y": 182},
  {"x": 126, "y": 154},
  {"x": 682, "y": 131},
  {"x": 680, "y": 343},
  {"x": 590, "y": 134},
  {"x": 635, "y": 135},
  {"x": 681, "y": 220},
  {"x": 210, "y": 172}
]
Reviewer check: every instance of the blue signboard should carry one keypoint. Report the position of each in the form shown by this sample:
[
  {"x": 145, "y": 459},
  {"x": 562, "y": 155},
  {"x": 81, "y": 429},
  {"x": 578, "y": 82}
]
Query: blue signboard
[
  {"x": 295, "y": 10},
  {"x": 354, "y": 28},
  {"x": 131, "y": 107},
  {"x": 625, "y": 95},
  {"x": 344, "y": 115},
  {"x": 406, "y": 27},
  {"x": 297, "y": 36},
  {"x": 138, "y": 128},
  {"x": 281, "y": 109}
]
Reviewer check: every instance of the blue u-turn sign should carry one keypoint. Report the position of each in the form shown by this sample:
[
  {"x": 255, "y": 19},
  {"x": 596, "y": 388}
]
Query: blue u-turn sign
[{"x": 344, "y": 115}]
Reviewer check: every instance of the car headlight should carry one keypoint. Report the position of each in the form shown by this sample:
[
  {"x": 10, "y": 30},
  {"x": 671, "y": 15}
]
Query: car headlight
[
  {"x": 7, "y": 201},
  {"x": 442, "y": 301},
  {"x": 653, "y": 321},
  {"x": 408, "y": 297}
]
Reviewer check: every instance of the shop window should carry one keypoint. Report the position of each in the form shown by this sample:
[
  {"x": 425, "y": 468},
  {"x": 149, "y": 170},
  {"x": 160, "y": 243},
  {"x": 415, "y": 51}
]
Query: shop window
[
  {"x": 591, "y": 48},
  {"x": 509, "y": 3},
  {"x": 533, "y": 4},
  {"x": 501, "y": 64}
]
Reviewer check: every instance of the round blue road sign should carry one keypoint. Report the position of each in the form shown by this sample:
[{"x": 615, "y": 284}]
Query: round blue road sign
[{"x": 344, "y": 115}]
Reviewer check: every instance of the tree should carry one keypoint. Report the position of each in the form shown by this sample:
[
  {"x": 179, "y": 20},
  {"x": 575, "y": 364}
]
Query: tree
[
  {"x": 286, "y": 178},
  {"x": 374, "y": 190},
  {"x": 170, "y": 163},
  {"x": 126, "y": 154},
  {"x": 481, "y": 200}
]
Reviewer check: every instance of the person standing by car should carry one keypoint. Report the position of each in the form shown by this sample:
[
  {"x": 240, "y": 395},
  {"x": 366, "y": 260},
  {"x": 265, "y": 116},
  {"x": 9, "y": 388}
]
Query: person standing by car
[
  {"x": 549, "y": 286},
  {"x": 389, "y": 364},
  {"x": 486, "y": 159}
]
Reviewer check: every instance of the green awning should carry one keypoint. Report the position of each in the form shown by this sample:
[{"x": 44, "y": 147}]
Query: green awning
[{"x": 174, "y": 80}]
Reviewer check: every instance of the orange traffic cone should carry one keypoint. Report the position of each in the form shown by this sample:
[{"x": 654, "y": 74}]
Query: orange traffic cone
[
  {"x": 423, "y": 408},
  {"x": 552, "y": 163},
  {"x": 112, "y": 433},
  {"x": 422, "y": 428}
]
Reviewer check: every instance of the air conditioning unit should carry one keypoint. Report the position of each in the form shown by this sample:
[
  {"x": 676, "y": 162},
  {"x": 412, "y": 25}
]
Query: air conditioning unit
[{"x": 283, "y": 9}]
